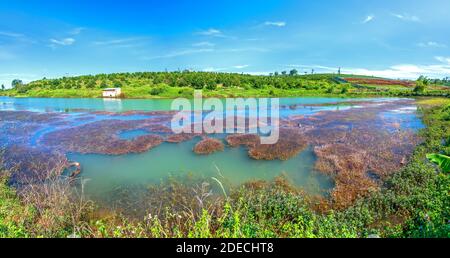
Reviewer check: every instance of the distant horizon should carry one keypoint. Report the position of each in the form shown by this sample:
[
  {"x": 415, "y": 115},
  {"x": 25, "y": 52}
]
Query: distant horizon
[{"x": 390, "y": 39}]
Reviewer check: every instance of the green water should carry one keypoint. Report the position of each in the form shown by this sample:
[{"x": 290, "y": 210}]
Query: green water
[
  {"x": 232, "y": 167},
  {"x": 119, "y": 105}
]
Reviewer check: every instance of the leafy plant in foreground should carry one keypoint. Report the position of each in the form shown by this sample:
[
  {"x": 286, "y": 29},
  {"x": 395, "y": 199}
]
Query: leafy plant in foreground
[{"x": 441, "y": 160}]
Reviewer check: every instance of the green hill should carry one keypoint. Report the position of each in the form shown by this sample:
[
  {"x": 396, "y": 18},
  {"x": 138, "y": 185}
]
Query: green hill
[{"x": 176, "y": 84}]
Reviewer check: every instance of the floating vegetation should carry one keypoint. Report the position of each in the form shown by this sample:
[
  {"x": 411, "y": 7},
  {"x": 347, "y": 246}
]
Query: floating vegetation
[
  {"x": 289, "y": 145},
  {"x": 208, "y": 146},
  {"x": 29, "y": 117},
  {"x": 351, "y": 143},
  {"x": 181, "y": 137},
  {"x": 16, "y": 132},
  {"x": 84, "y": 118},
  {"x": 358, "y": 147},
  {"x": 248, "y": 140},
  {"x": 29, "y": 164},
  {"x": 101, "y": 137}
]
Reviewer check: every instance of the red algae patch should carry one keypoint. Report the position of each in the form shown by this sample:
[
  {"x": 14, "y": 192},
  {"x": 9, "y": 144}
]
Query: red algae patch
[
  {"x": 357, "y": 147},
  {"x": 102, "y": 138},
  {"x": 208, "y": 146},
  {"x": 16, "y": 132},
  {"x": 29, "y": 164},
  {"x": 182, "y": 137},
  {"x": 289, "y": 145},
  {"x": 29, "y": 117},
  {"x": 248, "y": 140}
]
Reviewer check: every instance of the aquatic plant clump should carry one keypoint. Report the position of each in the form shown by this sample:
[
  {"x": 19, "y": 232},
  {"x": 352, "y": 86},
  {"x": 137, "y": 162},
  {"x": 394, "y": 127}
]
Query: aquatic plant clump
[
  {"x": 29, "y": 117},
  {"x": 102, "y": 138},
  {"x": 16, "y": 132},
  {"x": 181, "y": 137},
  {"x": 28, "y": 164},
  {"x": 19, "y": 127},
  {"x": 208, "y": 146},
  {"x": 289, "y": 145},
  {"x": 359, "y": 148},
  {"x": 242, "y": 139}
]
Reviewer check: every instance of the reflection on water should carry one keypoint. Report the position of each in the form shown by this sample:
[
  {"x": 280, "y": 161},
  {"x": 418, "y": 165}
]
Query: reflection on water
[
  {"x": 112, "y": 105},
  {"x": 122, "y": 105}
]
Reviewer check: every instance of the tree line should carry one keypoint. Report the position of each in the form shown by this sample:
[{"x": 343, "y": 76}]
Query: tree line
[
  {"x": 196, "y": 80},
  {"x": 203, "y": 80}
]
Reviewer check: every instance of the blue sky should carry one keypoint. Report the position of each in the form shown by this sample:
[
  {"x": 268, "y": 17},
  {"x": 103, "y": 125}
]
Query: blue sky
[{"x": 398, "y": 39}]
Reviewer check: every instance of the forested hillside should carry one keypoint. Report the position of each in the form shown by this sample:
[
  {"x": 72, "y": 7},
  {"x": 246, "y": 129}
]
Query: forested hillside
[{"x": 174, "y": 84}]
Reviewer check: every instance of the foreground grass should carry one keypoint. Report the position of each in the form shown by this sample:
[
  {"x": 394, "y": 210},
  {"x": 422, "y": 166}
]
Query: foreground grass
[{"x": 414, "y": 202}]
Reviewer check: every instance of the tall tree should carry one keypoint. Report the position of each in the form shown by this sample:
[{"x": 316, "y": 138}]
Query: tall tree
[
  {"x": 16, "y": 83},
  {"x": 293, "y": 72}
]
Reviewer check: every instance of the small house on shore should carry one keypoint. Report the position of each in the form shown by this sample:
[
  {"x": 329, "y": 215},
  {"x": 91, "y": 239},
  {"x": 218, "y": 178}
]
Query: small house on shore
[{"x": 112, "y": 92}]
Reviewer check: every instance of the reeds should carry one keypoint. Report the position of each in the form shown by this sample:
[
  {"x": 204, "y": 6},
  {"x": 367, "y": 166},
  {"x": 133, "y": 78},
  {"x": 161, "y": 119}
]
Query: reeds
[
  {"x": 208, "y": 146},
  {"x": 289, "y": 145}
]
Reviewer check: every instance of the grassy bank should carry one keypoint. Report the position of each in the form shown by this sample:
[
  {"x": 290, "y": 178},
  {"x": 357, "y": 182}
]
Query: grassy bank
[
  {"x": 168, "y": 92},
  {"x": 182, "y": 84},
  {"x": 414, "y": 202}
]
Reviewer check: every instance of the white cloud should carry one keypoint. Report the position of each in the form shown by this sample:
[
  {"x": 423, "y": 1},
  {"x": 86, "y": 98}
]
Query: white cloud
[
  {"x": 123, "y": 42},
  {"x": 406, "y": 71},
  {"x": 275, "y": 23},
  {"x": 6, "y": 78},
  {"x": 247, "y": 49},
  {"x": 254, "y": 39},
  {"x": 443, "y": 59},
  {"x": 191, "y": 51},
  {"x": 181, "y": 53},
  {"x": 406, "y": 17},
  {"x": 213, "y": 69},
  {"x": 203, "y": 44},
  {"x": 62, "y": 42},
  {"x": 218, "y": 69},
  {"x": 369, "y": 18},
  {"x": 215, "y": 33},
  {"x": 18, "y": 37},
  {"x": 403, "y": 71},
  {"x": 76, "y": 31},
  {"x": 11, "y": 34},
  {"x": 432, "y": 44},
  {"x": 211, "y": 32},
  {"x": 259, "y": 72},
  {"x": 115, "y": 41}
]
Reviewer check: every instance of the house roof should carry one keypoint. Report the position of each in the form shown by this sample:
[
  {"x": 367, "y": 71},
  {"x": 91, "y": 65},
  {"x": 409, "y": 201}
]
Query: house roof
[{"x": 111, "y": 89}]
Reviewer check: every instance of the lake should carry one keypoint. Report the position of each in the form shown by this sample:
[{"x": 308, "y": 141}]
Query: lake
[{"x": 106, "y": 136}]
